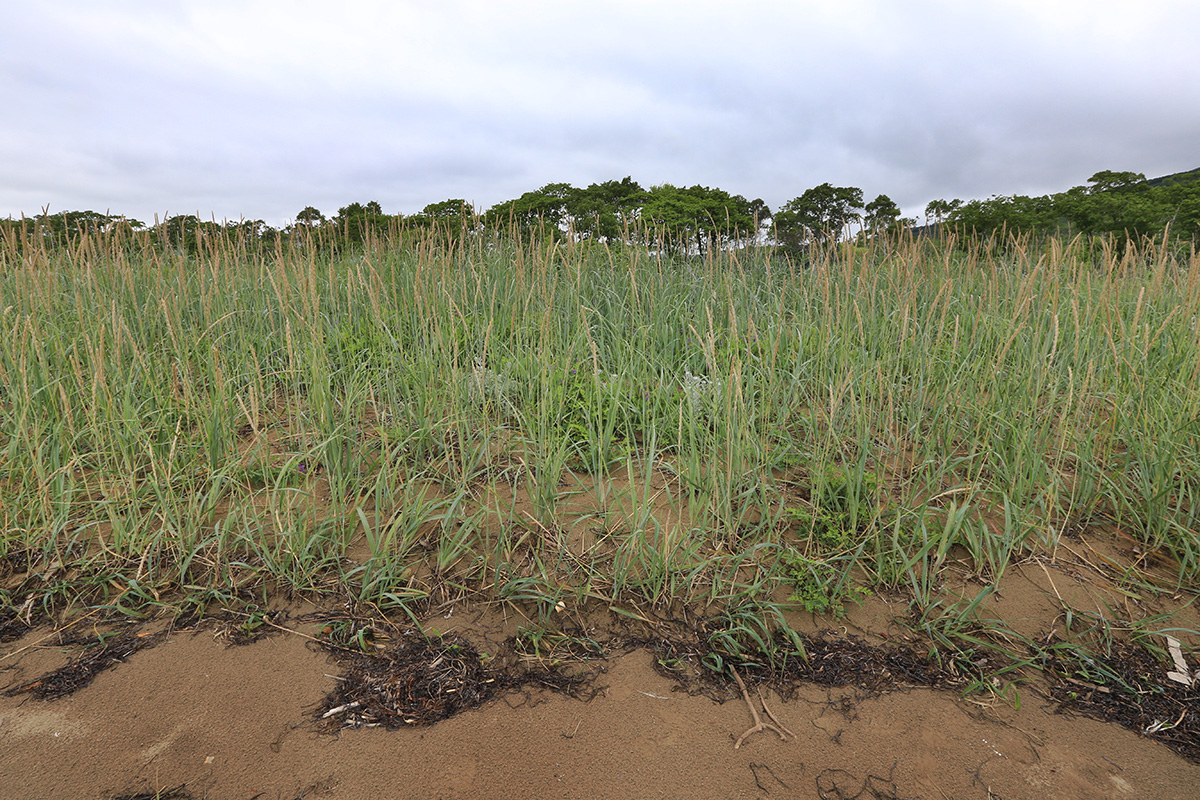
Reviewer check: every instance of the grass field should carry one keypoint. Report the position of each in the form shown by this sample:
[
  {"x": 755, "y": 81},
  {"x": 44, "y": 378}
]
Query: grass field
[{"x": 561, "y": 426}]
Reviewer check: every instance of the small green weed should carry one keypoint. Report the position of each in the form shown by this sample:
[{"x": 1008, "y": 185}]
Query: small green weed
[
  {"x": 820, "y": 585},
  {"x": 828, "y": 529},
  {"x": 835, "y": 515}
]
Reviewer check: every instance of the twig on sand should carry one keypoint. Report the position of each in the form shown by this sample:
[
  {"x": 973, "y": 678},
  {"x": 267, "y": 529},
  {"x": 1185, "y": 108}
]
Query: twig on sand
[
  {"x": 759, "y": 725},
  {"x": 341, "y": 708}
]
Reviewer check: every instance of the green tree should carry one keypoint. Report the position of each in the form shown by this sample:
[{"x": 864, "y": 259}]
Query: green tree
[
  {"x": 1107, "y": 180},
  {"x": 455, "y": 216},
  {"x": 544, "y": 211},
  {"x": 882, "y": 214},
  {"x": 1182, "y": 202},
  {"x": 311, "y": 228},
  {"x": 605, "y": 211},
  {"x": 181, "y": 232},
  {"x": 310, "y": 217},
  {"x": 937, "y": 211},
  {"x": 62, "y": 228},
  {"x": 689, "y": 220},
  {"x": 248, "y": 233},
  {"x": 449, "y": 210},
  {"x": 356, "y": 222},
  {"x": 1013, "y": 214},
  {"x": 1119, "y": 203},
  {"x": 820, "y": 215}
]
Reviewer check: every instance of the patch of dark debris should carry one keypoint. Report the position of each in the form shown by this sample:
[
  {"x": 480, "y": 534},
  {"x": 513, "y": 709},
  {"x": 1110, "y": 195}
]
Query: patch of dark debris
[
  {"x": 1126, "y": 685},
  {"x": 82, "y": 670},
  {"x": 847, "y": 660},
  {"x": 12, "y": 625},
  {"x": 422, "y": 679},
  {"x": 700, "y": 662},
  {"x": 13, "y": 562}
]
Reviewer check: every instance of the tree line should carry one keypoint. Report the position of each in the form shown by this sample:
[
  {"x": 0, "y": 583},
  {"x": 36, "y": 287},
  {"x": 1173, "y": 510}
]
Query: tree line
[
  {"x": 1123, "y": 205},
  {"x": 677, "y": 220}
]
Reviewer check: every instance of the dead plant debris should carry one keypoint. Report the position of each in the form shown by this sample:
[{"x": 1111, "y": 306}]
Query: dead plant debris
[
  {"x": 685, "y": 654},
  {"x": 848, "y": 660},
  {"x": 422, "y": 679},
  {"x": 1126, "y": 686},
  {"x": 82, "y": 671},
  {"x": 12, "y": 626}
]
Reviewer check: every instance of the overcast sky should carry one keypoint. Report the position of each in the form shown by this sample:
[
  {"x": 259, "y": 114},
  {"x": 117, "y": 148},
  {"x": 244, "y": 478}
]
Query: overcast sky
[{"x": 258, "y": 109}]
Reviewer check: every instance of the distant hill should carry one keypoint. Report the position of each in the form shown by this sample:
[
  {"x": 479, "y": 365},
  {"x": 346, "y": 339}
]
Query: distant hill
[{"x": 1177, "y": 177}]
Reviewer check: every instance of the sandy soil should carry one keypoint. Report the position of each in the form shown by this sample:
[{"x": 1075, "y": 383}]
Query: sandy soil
[{"x": 236, "y": 722}]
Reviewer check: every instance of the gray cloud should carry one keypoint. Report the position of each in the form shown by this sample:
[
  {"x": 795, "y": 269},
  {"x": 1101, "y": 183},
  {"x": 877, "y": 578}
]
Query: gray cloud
[{"x": 258, "y": 109}]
